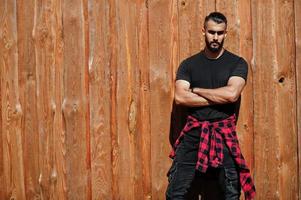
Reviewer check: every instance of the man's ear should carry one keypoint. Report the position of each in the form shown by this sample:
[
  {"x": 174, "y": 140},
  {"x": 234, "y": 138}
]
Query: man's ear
[
  {"x": 226, "y": 33},
  {"x": 203, "y": 31}
]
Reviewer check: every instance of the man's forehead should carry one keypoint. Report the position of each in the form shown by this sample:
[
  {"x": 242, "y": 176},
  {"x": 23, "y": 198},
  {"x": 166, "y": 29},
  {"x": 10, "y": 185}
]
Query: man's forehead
[{"x": 213, "y": 25}]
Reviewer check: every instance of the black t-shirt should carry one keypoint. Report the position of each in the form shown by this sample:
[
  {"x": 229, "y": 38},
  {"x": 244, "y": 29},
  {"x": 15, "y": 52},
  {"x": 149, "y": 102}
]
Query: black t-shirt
[{"x": 203, "y": 72}]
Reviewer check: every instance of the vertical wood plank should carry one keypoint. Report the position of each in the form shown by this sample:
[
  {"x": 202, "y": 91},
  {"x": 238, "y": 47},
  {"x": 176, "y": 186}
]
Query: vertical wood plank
[
  {"x": 286, "y": 107},
  {"x": 245, "y": 123},
  {"x": 58, "y": 173},
  {"x": 274, "y": 100},
  {"x": 127, "y": 80},
  {"x": 75, "y": 100},
  {"x": 246, "y": 126},
  {"x": 28, "y": 99},
  {"x": 133, "y": 70},
  {"x": 99, "y": 75},
  {"x": 297, "y": 7},
  {"x": 163, "y": 52},
  {"x": 2, "y": 175},
  {"x": 3, "y": 188},
  {"x": 266, "y": 145},
  {"x": 113, "y": 81},
  {"x": 11, "y": 107},
  {"x": 87, "y": 94},
  {"x": 47, "y": 32},
  {"x": 45, "y": 62},
  {"x": 124, "y": 98},
  {"x": 143, "y": 105}
]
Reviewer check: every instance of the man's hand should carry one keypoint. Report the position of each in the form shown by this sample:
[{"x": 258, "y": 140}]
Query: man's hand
[{"x": 228, "y": 94}]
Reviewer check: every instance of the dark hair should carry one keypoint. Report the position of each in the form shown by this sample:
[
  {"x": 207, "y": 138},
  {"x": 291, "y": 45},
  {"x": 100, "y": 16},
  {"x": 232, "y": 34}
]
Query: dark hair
[{"x": 216, "y": 17}]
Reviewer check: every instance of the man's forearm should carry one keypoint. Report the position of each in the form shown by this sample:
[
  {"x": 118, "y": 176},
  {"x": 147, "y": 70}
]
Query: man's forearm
[
  {"x": 219, "y": 95},
  {"x": 191, "y": 100}
]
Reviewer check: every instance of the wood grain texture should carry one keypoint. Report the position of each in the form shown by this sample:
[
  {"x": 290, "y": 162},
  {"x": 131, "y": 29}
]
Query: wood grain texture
[
  {"x": 113, "y": 81},
  {"x": 162, "y": 30},
  {"x": 274, "y": 101},
  {"x": 75, "y": 101},
  {"x": 45, "y": 60},
  {"x": 245, "y": 124},
  {"x": 246, "y": 116},
  {"x": 12, "y": 113},
  {"x": 297, "y": 7},
  {"x": 287, "y": 107},
  {"x": 143, "y": 100},
  {"x": 2, "y": 175},
  {"x": 127, "y": 79},
  {"x": 266, "y": 145},
  {"x": 58, "y": 169},
  {"x": 99, "y": 77},
  {"x": 28, "y": 98}
]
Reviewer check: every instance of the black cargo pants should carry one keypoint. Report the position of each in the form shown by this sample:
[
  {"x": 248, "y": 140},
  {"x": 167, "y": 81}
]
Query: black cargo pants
[{"x": 185, "y": 182}]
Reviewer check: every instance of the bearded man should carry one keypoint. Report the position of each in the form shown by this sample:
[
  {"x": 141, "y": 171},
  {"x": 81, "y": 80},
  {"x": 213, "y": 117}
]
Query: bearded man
[{"x": 207, "y": 160}]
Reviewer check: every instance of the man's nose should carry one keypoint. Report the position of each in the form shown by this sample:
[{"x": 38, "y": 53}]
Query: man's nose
[{"x": 215, "y": 36}]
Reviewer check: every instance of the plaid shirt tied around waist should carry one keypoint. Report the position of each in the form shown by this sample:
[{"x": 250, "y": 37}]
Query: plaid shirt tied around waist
[{"x": 210, "y": 153}]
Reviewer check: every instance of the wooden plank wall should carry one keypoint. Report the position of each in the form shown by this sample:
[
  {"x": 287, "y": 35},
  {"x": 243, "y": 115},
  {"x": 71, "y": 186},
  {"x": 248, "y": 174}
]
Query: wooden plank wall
[
  {"x": 276, "y": 159},
  {"x": 86, "y": 91},
  {"x": 297, "y": 16}
]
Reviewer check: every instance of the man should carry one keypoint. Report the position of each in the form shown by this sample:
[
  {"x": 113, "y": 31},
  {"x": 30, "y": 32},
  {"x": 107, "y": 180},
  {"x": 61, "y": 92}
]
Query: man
[{"x": 206, "y": 155}]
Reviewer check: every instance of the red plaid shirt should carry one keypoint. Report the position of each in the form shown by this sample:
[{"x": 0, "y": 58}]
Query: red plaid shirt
[{"x": 210, "y": 151}]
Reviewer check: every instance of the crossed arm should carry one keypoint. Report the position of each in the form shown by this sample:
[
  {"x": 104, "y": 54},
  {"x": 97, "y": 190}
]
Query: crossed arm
[{"x": 196, "y": 97}]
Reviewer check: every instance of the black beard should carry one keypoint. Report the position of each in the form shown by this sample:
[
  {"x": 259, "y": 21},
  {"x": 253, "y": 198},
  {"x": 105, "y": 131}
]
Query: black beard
[{"x": 214, "y": 49}]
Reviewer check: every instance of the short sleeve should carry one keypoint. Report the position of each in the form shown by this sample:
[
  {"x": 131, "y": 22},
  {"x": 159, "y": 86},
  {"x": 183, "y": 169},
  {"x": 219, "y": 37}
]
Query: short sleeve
[
  {"x": 241, "y": 69},
  {"x": 183, "y": 72}
]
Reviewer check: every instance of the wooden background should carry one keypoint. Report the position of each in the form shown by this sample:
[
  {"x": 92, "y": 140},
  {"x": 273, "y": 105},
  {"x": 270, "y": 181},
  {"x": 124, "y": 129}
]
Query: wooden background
[{"x": 86, "y": 89}]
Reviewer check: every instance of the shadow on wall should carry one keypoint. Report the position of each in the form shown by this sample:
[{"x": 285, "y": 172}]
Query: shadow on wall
[{"x": 177, "y": 121}]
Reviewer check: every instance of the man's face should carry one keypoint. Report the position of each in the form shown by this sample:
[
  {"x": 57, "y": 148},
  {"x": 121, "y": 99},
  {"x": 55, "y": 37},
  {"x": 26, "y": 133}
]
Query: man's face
[{"x": 214, "y": 35}]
